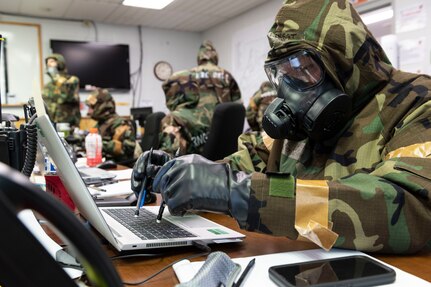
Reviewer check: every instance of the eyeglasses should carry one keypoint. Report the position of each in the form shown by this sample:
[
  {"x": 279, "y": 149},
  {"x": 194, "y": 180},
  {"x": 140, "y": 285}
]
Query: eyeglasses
[{"x": 302, "y": 70}]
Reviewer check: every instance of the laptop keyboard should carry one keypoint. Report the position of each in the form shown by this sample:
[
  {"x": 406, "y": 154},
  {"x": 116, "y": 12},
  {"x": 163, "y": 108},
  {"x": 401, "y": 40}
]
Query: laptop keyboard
[{"x": 145, "y": 226}]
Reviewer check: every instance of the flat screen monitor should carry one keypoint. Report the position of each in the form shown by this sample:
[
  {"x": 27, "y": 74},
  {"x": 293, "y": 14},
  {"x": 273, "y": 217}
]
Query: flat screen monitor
[
  {"x": 140, "y": 114},
  {"x": 96, "y": 64}
]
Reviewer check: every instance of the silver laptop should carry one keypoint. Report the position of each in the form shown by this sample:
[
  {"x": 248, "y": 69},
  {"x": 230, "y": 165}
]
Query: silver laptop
[
  {"x": 95, "y": 175},
  {"x": 112, "y": 222}
]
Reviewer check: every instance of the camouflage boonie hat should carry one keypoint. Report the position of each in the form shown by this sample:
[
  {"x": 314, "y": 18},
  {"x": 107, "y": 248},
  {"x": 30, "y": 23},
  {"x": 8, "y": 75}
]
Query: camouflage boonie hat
[
  {"x": 335, "y": 32},
  {"x": 61, "y": 62},
  {"x": 102, "y": 104},
  {"x": 207, "y": 53}
]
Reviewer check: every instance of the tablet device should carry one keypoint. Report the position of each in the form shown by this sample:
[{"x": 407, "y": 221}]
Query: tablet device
[{"x": 352, "y": 271}]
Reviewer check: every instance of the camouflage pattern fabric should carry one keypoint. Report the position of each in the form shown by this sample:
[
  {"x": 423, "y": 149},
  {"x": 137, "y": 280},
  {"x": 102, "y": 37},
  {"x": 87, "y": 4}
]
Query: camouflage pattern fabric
[
  {"x": 191, "y": 96},
  {"x": 61, "y": 95},
  {"x": 118, "y": 134},
  {"x": 378, "y": 170},
  {"x": 258, "y": 104}
]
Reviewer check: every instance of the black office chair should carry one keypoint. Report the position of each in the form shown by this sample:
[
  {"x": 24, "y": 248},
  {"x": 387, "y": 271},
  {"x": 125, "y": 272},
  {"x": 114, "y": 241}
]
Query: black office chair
[
  {"x": 227, "y": 124},
  {"x": 23, "y": 260},
  {"x": 150, "y": 138}
]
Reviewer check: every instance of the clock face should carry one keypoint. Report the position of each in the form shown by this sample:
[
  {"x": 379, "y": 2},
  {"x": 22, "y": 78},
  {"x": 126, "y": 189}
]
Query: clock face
[{"x": 162, "y": 70}]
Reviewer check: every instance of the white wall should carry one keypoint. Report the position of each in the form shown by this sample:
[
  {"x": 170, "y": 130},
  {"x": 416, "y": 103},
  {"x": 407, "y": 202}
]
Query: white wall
[
  {"x": 178, "y": 48},
  {"x": 242, "y": 45}
]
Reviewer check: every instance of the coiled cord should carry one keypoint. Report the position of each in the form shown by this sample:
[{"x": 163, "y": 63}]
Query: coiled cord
[{"x": 31, "y": 147}]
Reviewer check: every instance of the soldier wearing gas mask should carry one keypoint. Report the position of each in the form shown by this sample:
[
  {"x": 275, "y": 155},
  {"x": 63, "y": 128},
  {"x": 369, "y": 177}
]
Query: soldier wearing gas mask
[{"x": 346, "y": 162}]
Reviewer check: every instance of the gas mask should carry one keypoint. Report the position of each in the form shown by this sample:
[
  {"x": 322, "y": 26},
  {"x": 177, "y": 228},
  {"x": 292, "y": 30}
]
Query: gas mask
[
  {"x": 308, "y": 104},
  {"x": 52, "y": 71}
]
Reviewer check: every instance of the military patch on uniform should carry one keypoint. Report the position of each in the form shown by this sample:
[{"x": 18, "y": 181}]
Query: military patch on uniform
[{"x": 281, "y": 185}]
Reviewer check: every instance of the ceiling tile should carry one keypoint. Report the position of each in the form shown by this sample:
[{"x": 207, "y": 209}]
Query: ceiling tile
[
  {"x": 91, "y": 10},
  {"x": 9, "y": 6},
  {"x": 47, "y": 8},
  {"x": 186, "y": 15}
]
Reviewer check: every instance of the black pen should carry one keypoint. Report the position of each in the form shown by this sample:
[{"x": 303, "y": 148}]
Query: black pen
[
  {"x": 161, "y": 209},
  {"x": 162, "y": 206},
  {"x": 245, "y": 273}
]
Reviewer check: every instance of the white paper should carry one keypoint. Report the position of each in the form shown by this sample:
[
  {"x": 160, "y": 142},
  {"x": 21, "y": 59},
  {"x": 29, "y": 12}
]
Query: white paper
[
  {"x": 29, "y": 220},
  {"x": 412, "y": 55},
  {"x": 186, "y": 270},
  {"x": 410, "y": 18},
  {"x": 122, "y": 174},
  {"x": 120, "y": 188}
]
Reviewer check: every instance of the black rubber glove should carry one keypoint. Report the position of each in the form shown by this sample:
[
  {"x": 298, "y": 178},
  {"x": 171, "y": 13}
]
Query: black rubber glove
[
  {"x": 193, "y": 183},
  {"x": 147, "y": 166}
]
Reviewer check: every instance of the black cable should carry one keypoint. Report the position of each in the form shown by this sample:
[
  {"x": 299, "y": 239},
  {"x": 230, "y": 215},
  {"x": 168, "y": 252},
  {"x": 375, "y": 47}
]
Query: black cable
[
  {"x": 201, "y": 245},
  {"x": 137, "y": 255},
  {"x": 31, "y": 147},
  {"x": 138, "y": 73}
]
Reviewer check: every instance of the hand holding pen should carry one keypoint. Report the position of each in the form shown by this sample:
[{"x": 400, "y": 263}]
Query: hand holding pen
[
  {"x": 143, "y": 192},
  {"x": 163, "y": 204}
]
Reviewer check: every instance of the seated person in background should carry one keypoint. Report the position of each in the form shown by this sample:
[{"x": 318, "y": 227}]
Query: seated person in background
[
  {"x": 118, "y": 134},
  {"x": 351, "y": 163},
  {"x": 191, "y": 96},
  {"x": 258, "y": 104},
  {"x": 61, "y": 94}
]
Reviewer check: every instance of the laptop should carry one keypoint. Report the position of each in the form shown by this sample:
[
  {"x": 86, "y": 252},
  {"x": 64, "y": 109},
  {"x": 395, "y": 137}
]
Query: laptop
[
  {"x": 118, "y": 224},
  {"x": 95, "y": 175}
]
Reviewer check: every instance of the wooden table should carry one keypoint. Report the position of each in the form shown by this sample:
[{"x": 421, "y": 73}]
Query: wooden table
[{"x": 137, "y": 269}]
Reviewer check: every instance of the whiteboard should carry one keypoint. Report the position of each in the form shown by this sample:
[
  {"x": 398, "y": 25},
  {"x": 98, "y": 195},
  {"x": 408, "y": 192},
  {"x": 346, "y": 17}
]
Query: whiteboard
[
  {"x": 23, "y": 58},
  {"x": 249, "y": 50}
]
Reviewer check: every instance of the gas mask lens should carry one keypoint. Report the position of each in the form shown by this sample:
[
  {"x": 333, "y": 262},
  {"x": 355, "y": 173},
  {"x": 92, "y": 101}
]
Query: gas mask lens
[{"x": 301, "y": 70}]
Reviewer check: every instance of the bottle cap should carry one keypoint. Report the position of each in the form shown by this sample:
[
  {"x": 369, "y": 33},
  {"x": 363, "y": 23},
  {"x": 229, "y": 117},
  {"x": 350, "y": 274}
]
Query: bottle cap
[{"x": 94, "y": 130}]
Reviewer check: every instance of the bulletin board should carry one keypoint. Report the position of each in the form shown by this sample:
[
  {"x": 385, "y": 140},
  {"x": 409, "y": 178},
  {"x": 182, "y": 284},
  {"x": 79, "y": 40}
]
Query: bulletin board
[{"x": 24, "y": 65}]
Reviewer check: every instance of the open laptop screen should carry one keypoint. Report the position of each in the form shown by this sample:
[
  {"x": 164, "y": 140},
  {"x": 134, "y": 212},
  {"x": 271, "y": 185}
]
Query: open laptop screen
[{"x": 68, "y": 173}]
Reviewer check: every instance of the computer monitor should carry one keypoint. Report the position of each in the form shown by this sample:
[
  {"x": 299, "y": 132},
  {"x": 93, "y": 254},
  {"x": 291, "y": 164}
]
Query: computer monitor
[{"x": 140, "y": 114}]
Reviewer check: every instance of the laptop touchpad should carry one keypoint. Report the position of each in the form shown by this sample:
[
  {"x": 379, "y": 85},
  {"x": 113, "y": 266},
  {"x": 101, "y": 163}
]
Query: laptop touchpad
[{"x": 193, "y": 221}]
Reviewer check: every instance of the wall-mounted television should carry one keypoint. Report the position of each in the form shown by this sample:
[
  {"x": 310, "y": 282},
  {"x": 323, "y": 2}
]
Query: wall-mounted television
[{"x": 96, "y": 64}]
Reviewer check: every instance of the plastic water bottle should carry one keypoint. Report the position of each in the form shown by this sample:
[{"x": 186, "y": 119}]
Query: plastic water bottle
[{"x": 93, "y": 147}]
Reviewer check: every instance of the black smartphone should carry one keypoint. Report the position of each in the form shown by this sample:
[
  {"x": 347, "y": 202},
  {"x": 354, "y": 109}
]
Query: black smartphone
[{"x": 351, "y": 271}]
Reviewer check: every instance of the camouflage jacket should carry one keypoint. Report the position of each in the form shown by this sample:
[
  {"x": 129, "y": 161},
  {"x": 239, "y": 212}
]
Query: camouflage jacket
[
  {"x": 61, "y": 95},
  {"x": 258, "y": 104},
  {"x": 191, "y": 96},
  {"x": 377, "y": 174},
  {"x": 118, "y": 137}
]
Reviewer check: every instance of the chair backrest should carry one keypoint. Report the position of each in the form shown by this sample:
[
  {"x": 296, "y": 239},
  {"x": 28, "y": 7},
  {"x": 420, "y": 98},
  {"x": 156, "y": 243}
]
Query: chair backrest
[
  {"x": 23, "y": 260},
  {"x": 227, "y": 124},
  {"x": 150, "y": 138}
]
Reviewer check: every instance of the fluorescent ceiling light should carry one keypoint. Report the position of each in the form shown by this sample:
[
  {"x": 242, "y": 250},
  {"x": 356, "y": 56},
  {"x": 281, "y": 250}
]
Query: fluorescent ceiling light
[
  {"x": 378, "y": 15},
  {"x": 149, "y": 4}
]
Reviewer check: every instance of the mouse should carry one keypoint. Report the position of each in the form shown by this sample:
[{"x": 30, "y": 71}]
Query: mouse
[{"x": 109, "y": 164}]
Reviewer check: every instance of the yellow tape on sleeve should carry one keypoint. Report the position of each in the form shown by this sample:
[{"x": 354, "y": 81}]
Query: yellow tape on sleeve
[{"x": 311, "y": 214}]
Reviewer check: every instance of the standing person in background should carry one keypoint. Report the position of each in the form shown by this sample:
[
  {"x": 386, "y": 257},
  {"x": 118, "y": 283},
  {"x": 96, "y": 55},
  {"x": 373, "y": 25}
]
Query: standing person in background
[
  {"x": 191, "y": 96},
  {"x": 118, "y": 134},
  {"x": 61, "y": 94},
  {"x": 258, "y": 104}
]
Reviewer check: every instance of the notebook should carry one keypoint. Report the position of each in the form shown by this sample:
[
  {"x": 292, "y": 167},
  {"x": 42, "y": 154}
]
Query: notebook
[{"x": 111, "y": 222}]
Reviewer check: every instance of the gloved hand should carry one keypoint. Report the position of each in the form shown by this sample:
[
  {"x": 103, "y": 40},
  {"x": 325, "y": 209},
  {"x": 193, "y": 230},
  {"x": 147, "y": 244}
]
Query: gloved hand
[
  {"x": 147, "y": 165},
  {"x": 192, "y": 182}
]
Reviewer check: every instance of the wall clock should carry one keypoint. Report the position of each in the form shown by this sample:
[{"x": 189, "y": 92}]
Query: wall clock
[{"x": 162, "y": 70}]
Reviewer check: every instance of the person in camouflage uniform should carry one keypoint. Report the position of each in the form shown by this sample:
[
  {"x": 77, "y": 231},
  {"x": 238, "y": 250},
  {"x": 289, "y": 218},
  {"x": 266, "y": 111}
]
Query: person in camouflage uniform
[
  {"x": 191, "y": 97},
  {"x": 61, "y": 94},
  {"x": 367, "y": 188},
  {"x": 258, "y": 104},
  {"x": 118, "y": 134}
]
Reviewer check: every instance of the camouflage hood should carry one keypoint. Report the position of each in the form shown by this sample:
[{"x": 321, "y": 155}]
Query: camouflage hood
[
  {"x": 101, "y": 104},
  {"x": 207, "y": 53},
  {"x": 351, "y": 55},
  {"x": 61, "y": 62},
  {"x": 181, "y": 91},
  {"x": 266, "y": 88}
]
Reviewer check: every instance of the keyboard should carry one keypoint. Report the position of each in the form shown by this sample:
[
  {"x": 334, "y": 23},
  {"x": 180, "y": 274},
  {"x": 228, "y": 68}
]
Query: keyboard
[{"x": 145, "y": 226}]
